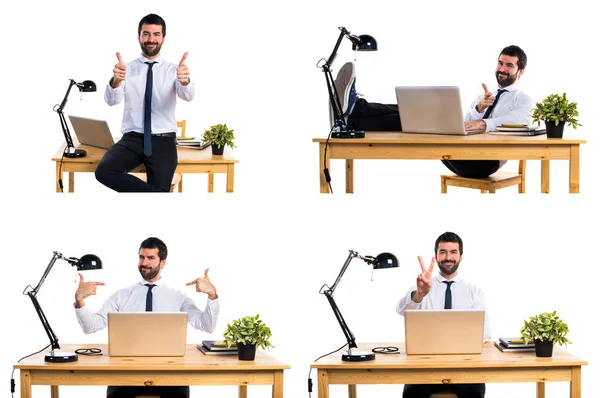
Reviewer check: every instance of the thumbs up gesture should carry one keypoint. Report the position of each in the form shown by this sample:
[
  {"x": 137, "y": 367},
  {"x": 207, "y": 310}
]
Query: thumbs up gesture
[
  {"x": 119, "y": 72},
  {"x": 183, "y": 73},
  {"x": 204, "y": 285},
  {"x": 486, "y": 100}
]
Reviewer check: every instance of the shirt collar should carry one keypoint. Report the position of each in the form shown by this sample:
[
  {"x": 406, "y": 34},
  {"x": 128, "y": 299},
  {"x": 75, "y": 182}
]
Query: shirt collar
[
  {"x": 512, "y": 87},
  {"x": 143, "y": 59},
  {"x": 440, "y": 279},
  {"x": 144, "y": 282}
]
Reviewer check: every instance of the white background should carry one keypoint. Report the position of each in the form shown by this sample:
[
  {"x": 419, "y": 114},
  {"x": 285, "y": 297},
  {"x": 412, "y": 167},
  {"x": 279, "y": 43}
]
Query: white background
[{"x": 273, "y": 243}]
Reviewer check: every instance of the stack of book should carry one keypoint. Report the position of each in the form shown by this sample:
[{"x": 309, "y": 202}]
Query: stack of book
[
  {"x": 512, "y": 344},
  {"x": 517, "y": 127},
  {"x": 215, "y": 347},
  {"x": 191, "y": 142}
]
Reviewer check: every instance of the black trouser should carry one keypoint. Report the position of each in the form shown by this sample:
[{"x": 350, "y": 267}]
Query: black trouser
[
  {"x": 474, "y": 168},
  {"x": 368, "y": 116},
  {"x": 128, "y": 153},
  {"x": 163, "y": 392},
  {"x": 461, "y": 390}
]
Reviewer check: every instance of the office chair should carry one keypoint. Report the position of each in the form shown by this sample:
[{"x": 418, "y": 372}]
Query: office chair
[
  {"x": 499, "y": 179},
  {"x": 177, "y": 181}
]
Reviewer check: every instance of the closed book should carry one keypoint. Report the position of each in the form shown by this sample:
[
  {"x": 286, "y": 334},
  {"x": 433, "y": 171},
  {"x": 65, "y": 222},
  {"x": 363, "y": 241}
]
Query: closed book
[
  {"x": 504, "y": 348},
  {"x": 515, "y": 342},
  {"x": 206, "y": 351},
  {"x": 218, "y": 345},
  {"x": 516, "y": 127}
]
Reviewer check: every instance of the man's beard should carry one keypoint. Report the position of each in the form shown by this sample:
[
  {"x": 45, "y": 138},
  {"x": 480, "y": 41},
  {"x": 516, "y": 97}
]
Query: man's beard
[
  {"x": 448, "y": 271},
  {"x": 149, "y": 275},
  {"x": 505, "y": 80},
  {"x": 148, "y": 52}
]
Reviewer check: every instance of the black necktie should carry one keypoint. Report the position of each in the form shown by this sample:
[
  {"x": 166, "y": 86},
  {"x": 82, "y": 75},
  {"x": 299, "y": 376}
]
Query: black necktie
[
  {"x": 148, "y": 112},
  {"x": 448, "y": 301},
  {"x": 149, "y": 297},
  {"x": 489, "y": 110}
]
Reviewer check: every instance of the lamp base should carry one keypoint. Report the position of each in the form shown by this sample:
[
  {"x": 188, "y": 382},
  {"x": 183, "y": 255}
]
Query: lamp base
[
  {"x": 348, "y": 134},
  {"x": 75, "y": 153},
  {"x": 358, "y": 356},
  {"x": 61, "y": 356}
]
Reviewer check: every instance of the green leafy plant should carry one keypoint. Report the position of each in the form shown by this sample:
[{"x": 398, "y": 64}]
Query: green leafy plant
[
  {"x": 546, "y": 326},
  {"x": 219, "y": 135},
  {"x": 248, "y": 330},
  {"x": 556, "y": 108}
]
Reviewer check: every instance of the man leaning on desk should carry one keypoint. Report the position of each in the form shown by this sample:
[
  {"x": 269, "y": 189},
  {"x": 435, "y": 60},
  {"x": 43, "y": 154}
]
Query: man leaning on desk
[
  {"x": 508, "y": 104},
  {"x": 152, "y": 260},
  {"x": 431, "y": 293}
]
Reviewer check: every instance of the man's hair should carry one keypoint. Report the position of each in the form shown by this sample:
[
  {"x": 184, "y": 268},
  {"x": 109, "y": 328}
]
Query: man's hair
[
  {"x": 516, "y": 51},
  {"x": 449, "y": 237},
  {"x": 155, "y": 243},
  {"x": 153, "y": 19}
]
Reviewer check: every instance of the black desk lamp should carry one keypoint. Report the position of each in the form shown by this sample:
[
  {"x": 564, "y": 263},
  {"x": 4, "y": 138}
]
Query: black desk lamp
[
  {"x": 383, "y": 260},
  {"x": 359, "y": 43},
  {"x": 87, "y": 86},
  {"x": 87, "y": 262}
]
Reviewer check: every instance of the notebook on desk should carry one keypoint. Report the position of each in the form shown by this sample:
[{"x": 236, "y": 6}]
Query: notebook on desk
[
  {"x": 431, "y": 110},
  {"x": 433, "y": 332},
  {"x": 147, "y": 334},
  {"x": 92, "y": 132}
]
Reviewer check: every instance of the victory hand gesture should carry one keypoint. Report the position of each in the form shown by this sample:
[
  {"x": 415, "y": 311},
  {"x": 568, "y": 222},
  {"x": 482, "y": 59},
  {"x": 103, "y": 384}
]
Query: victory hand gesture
[
  {"x": 119, "y": 72},
  {"x": 423, "y": 281},
  {"x": 204, "y": 285},
  {"x": 183, "y": 73}
]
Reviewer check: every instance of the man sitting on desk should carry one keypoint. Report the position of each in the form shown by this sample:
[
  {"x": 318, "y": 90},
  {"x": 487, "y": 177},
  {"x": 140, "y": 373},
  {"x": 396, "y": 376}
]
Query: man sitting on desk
[
  {"x": 152, "y": 259},
  {"x": 445, "y": 290},
  {"x": 150, "y": 86},
  {"x": 506, "y": 105}
]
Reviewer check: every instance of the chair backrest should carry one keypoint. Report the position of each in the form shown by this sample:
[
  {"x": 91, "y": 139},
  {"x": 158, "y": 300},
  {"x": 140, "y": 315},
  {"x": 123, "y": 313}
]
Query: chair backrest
[{"x": 181, "y": 125}]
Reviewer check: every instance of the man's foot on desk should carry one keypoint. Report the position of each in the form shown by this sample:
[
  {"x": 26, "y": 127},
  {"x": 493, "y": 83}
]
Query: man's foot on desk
[{"x": 345, "y": 85}]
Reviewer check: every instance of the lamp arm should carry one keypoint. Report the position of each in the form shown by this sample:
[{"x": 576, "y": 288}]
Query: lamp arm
[
  {"x": 44, "y": 320},
  {"x": 63, "y": 122},
  {"x": 338, "y": 315},
  {"x": 351, "y": 255},
  {"x": 343, "y": 32},
  {"x": 61, "y": 107}
]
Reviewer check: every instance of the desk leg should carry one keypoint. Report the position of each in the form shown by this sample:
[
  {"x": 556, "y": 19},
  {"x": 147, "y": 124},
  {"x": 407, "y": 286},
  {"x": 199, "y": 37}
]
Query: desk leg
[
  {"x": 25, "y": 376},
  {"x": 71, "y": 182},
  {"x": 541, "y": 390},
  {"x": 211, "y": 181},
  {"x": 574, "y": 170},
  {"x": 545, "y": 176},
  {"x": 243, "y": 391},
  {"x": 576, "y": 382},
  {"x": 278, "y": 384},
  {"x": 352, "y": 391},
  {"x": 54, "y": 391},
  {"x": 58, "y": 177},
  {"x": 323, "y": 384},
  {"x": 349, "y": 175},
  {"x": 323, "y": 163},
  {"x": 230, "y": 177}
]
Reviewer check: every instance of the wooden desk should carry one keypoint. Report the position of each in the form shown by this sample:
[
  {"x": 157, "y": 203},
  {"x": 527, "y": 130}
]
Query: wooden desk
[
  {"x": 189, "y": 161},
  {"x": 193, "y": 369},
  {"x": 492, "y": 366},
  {"x": 395, "y": 145}
]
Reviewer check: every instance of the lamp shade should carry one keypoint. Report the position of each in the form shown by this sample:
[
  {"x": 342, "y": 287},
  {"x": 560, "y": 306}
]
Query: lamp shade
[
  {"x": 367, "y": 43},
  {"x": 87, "y": 86},
  {"x": 385, "y": 260},
  {"x": 89, "y": 262}
]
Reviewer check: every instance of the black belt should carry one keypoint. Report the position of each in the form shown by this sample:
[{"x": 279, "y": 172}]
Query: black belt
[{"x": 171, "y": 135}]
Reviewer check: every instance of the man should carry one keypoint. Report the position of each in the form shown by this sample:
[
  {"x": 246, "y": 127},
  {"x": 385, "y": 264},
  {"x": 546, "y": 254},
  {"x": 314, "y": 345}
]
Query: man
[
  {"x": 430, "y": 293},
  {"x": 150, "y": 86},
  {"x": 152, "y": 260},
  {"x": 513, "y": 106}
]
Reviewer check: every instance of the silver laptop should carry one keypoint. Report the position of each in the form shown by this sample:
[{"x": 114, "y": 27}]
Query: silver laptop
[
  {"x": 431, "y": 110},
  {"x": 432, "y": 332},
  {"x": 92, "y": 132},
  {"x": 147, "y": 334}
]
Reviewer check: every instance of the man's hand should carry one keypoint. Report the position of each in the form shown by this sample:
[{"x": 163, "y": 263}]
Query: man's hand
[
  {"x": 183, "y": 73},
  {"x": 85, "y": 289},
  {"x": 423, "y": 281},
  {"x": 475, "y": 125},
  {"x": 119, "y": 72},
  {"x": 203, "y": 285},
  {"x": 486, "y": 100}
]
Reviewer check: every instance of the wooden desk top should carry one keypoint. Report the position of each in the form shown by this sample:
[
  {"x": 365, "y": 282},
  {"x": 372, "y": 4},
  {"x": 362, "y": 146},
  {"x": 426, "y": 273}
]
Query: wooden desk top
[
  {"x": 194, "y": 359},
  {"x": 394, "y": 137},
  {"x": 491, "y": 357},
  {"x": 184, "y": 155}
]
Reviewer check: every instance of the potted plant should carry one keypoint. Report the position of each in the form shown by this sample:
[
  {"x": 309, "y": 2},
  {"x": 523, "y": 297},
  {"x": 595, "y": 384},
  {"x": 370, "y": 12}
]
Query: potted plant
[
  {"x": 218, "y": 136},
  {"x": 556, "y": 110},
  {"x": 247, "y": 333},
  {"x": 545, "y": 330}
]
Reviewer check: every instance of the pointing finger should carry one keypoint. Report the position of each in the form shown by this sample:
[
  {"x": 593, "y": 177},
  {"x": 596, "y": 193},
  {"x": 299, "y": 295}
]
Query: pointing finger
[
  {"x": 485, "y": 89},
  {"x": 182, "y": 62},
  {"x": 192, "y": 282}
]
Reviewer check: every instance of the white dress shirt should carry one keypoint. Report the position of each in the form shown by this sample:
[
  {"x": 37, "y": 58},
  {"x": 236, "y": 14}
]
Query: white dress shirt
[
  {"x": 465, "y": 296},
  {"x": 513, "y": 107},
  {"x": 165, "y": 299},
  {"x": 165, "y": 90}
]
